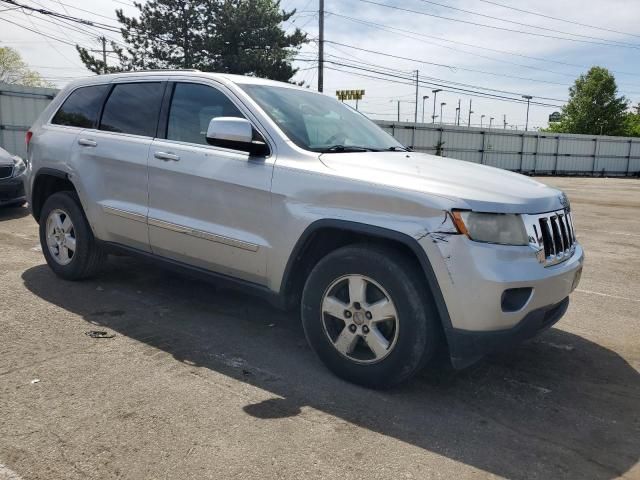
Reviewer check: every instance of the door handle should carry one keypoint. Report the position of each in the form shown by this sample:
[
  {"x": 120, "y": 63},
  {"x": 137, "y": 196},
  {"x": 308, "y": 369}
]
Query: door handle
[
  {"x": 166, "y": 156},
  {"x": 85, "y": 142}
]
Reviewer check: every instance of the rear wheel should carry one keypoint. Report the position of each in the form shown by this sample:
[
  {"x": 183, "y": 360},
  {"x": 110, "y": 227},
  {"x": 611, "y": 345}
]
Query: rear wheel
[
  {"x": 66, "y": 238},
  {"x": 368, "y": 316}
]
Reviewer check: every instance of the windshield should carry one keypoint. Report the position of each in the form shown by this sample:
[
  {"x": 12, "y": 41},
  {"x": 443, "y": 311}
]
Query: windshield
[{"x": 318, "y": 122}]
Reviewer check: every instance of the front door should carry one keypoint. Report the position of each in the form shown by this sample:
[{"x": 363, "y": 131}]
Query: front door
[{"x": 208, "y": 206}]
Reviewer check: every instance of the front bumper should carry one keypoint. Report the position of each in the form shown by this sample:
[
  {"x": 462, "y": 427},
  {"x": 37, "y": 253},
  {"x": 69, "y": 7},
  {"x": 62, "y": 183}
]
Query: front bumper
[
  {"x": 12, "y": 190},
  {"x": 466, "y": 347},
  {"x": 473, "y": 278}
]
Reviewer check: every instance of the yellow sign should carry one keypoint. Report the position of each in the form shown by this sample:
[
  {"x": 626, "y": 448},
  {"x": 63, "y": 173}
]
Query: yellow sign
[{"x": 349, "y": 94}]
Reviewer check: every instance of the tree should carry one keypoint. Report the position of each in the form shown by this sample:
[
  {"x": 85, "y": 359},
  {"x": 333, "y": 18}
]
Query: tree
[
  {"x": 594, "y": 106},
  {"x": 230, "y": 36},
  {"x": 632, "y": 123},
  {"x": 14, "y": 70}
]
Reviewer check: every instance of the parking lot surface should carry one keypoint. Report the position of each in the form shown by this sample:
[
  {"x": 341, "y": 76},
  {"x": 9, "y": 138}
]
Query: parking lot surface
[{"x": 197, "y": 382}]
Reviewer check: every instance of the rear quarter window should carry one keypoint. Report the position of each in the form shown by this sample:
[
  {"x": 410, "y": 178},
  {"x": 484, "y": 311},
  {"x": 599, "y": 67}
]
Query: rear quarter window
[{"x": 82, "y": 107}]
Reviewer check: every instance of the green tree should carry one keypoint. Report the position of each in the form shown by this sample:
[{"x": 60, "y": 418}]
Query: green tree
[
  {"x": 632, "y": 123},
  {"x": 229, "y": 36},
  {"x": 14, "y": 70},
  {"x": 594, "y": 106}
]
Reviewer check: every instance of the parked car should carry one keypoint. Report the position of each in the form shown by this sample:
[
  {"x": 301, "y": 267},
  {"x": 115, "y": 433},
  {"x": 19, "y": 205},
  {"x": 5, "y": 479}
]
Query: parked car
[
  {"x": 389, "y": 254},
  {"x": 12, "y": 172}
]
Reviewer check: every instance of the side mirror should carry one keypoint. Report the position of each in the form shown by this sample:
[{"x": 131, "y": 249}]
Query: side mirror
[{"x": 235, "y": 133}]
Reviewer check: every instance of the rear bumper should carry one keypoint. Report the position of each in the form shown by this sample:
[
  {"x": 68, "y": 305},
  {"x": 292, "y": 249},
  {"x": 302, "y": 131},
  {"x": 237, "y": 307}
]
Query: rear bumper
[
  {"x": 466, "y": 347},
  {"x": 12, "y": 190}
]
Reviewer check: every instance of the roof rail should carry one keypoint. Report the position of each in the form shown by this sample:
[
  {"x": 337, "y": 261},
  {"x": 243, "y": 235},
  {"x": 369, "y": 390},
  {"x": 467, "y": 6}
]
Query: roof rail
[{"x": 162, "y": 70}]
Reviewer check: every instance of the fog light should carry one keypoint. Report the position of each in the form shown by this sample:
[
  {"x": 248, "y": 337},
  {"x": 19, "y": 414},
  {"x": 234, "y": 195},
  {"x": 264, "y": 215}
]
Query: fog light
[{"x": 514, "y": 299}]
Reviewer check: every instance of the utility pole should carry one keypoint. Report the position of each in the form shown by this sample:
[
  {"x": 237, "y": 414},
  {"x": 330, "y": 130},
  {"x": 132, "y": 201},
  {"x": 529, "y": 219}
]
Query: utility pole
[
  {"x": 435, "y": 95},
  {"x": 458, "y": 111},
  {"x": 321, "y": 47},
  {"x": 470, "y": 112},
  {"x": 504, "y": 121},
  {"x": 425, "y": 97},
  {"x": 398, "y": 111},
  {"x": 104, "y": 52},
  {"x": 415, "y": 114},
  {"x": 528, "y": 98}
]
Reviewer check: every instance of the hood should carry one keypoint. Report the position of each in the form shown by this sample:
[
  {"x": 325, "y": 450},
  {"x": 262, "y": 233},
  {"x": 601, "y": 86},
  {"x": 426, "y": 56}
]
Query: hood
[
  {"x": 469, "y": 185},
  {"x": 5, "y": 158}
]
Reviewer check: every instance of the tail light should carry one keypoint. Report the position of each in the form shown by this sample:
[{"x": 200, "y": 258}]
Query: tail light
[{"x": 27, "y": 138}]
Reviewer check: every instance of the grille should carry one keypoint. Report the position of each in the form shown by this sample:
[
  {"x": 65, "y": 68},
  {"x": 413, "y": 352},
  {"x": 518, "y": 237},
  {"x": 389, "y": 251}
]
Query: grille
[
  {"x": 6, "y": 171},
  {"x": 554, "y": 235}
]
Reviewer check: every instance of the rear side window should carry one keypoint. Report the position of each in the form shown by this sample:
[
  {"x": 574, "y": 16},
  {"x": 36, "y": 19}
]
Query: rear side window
[
  {"x": 133, "y": 108},
  {"x": 192, "y": 108},
  {"x": 81, "y": 108}
]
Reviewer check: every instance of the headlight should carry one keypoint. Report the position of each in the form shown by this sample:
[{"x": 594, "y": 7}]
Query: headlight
[
  {"x": 505, "y": 229},
  {"x": 18, "y": 166}
]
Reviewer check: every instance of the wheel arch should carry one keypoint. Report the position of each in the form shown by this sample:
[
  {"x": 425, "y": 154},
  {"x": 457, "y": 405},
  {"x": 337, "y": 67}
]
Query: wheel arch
[
  {"x": 47, "y": 182},
  {"x": 324, "y": 236}
]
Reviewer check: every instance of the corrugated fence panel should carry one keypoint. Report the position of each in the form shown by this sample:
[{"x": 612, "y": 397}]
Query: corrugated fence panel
[
  {"x": 544, "y": 163},
  {"x": 19, "y": 107},
  {"x": 527, "y": 151}
]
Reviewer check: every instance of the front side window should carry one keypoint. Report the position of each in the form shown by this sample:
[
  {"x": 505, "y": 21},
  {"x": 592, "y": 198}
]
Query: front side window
[
  {"x": 133, "y": 108},
  {"x": 81, "y": 108},
  {"x": 192, "y": 108},
  {"x": 319, "y": 123}
]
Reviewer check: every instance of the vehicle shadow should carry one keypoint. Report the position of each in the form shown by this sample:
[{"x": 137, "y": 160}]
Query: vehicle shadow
[
  {"x": 557, "y": 407},
  {"x": 13, "y": 213}
]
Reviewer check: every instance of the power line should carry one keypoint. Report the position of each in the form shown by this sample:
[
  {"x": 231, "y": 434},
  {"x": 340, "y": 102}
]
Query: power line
[
  {"x": 559, "y": 19},
  {"x": 494, "y": 27},
  {"x": 412, "y": 35},
  {"x": 521, "y": 23},
  {"x": 408, "y": 80},
  {"x": 449, "y": 66},
  {"x": 44, "y": 11}
]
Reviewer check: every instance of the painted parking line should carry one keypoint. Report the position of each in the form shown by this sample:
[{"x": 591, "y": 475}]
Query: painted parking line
[
  {"x": 8, "y": 474},
  {"x": 590, "y": 292},
  {"x": 626, "y": 234}
]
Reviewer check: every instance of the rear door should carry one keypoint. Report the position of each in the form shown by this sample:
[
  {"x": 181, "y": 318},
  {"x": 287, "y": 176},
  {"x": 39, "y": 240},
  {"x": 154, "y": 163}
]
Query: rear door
[
  {"x": 114, "y": 161},
  {"x": 208, "y": 206}
]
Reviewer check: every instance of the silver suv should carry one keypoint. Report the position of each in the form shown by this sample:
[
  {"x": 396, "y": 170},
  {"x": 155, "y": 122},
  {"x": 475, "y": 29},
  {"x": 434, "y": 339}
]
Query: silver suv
[{"x": 391, "y": 255}]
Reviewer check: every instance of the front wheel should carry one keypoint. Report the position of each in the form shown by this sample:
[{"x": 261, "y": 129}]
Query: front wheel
[{"x": 367, "y": 314}]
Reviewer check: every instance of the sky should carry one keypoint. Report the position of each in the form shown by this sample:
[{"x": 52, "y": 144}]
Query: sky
[{"x": 471, "y": 45}]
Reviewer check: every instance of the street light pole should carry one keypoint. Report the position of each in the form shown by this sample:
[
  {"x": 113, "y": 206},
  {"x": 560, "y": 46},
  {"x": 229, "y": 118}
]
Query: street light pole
[
  {"x": 490, "y": 121},
  {"x": 528, "y": 98},
  {"x": 435, "y": 94},
  {"x": 470, "y": 112},
  {"x": 398, "y": 111},
  {"x": 424, "y": 98},
  {"x": 441, "y": 105},
  {"x": 481, "y": 120}
]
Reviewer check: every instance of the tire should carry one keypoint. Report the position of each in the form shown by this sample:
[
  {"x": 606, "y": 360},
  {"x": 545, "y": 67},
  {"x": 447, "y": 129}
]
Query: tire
[
  {"x": 87, "y": 257},
  {"x": 410, "y": 340}
]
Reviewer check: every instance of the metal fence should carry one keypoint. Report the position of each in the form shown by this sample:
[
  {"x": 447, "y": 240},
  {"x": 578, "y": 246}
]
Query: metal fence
[
  {"x": 527, "y": 152},
  {"x": 19, "y": 108}
]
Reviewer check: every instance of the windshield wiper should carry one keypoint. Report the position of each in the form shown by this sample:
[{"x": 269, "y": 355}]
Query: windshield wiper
[
  {"x": 398, "y": 149},
  {"x": 347, "y": 148}
]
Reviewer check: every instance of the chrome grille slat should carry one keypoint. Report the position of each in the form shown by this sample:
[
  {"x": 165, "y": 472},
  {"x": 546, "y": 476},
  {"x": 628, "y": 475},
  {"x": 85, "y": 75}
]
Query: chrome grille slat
[{"x": 551, "y": 234}]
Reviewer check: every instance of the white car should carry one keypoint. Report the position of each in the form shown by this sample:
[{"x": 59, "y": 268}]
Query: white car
[{"x": 389, "y": 254}]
